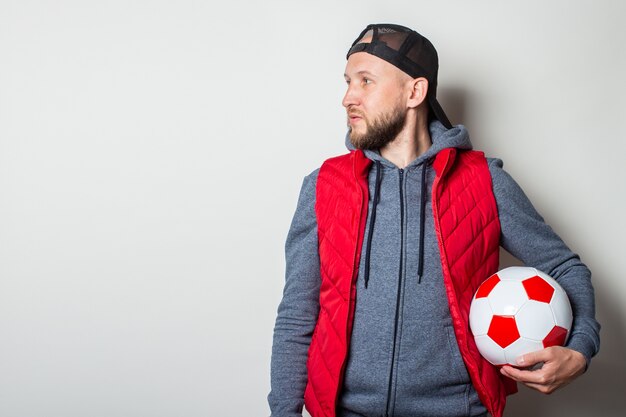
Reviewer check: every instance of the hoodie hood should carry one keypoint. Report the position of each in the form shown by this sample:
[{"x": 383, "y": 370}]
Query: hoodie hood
[{"x": 441, "y": 138}]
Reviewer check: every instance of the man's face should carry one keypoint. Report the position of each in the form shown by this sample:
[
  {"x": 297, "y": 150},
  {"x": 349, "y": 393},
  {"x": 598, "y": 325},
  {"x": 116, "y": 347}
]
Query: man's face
[{"x": 375, "y": 101}]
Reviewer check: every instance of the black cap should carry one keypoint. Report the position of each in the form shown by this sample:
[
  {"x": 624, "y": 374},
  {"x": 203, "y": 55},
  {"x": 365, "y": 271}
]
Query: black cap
[{"x": 407, "y": 50}]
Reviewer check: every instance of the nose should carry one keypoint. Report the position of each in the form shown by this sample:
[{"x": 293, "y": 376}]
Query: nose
[{"x": 351, "y": 96}]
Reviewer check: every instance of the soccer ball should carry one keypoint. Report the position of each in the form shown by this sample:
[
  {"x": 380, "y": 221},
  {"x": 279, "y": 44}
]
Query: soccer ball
[{"x": 516, "y": 311}]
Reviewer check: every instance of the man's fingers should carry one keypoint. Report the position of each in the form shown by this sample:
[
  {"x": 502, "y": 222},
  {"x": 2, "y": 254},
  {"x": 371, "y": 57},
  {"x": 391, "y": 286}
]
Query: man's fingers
[
  {"x": 520, "y": 375},
  {"x": 561, "y": 366},
  {"x": 532, "y": 358}
]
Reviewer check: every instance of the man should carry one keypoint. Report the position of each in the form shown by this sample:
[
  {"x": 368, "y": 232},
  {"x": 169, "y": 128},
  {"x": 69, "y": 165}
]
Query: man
[{"x": 389, "y": 243}]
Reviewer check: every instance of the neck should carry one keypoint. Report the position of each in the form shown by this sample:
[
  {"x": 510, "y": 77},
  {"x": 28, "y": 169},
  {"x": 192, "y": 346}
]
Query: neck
[{"x": 411, "y": 142}]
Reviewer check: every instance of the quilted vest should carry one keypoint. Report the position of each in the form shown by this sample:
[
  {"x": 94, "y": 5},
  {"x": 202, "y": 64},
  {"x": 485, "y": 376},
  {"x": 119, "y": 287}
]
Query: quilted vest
[{"x": 468, "y": 234}]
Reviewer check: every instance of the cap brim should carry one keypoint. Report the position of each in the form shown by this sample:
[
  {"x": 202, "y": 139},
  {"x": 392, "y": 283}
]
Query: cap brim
[{"x": 438, "y": 113}]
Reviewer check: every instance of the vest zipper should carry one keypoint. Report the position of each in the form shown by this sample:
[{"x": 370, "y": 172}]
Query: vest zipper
[{"x": 395, "y": 325}]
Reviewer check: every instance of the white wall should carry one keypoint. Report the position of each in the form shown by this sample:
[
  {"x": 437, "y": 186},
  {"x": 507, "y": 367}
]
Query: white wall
[{"x": 151, "y": 154}]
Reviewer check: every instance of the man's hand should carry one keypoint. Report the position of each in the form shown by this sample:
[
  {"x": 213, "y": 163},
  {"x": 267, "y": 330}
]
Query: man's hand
[{"x": 560, "y": 367}]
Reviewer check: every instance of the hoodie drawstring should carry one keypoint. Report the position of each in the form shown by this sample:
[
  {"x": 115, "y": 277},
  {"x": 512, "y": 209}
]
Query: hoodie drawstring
[
  {"x": 420, "y": 265},
  {"x": 372, "y": 220}
]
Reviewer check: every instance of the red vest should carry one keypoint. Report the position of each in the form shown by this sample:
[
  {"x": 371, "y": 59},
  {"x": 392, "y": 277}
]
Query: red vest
[{"x": 468, "y": 233}]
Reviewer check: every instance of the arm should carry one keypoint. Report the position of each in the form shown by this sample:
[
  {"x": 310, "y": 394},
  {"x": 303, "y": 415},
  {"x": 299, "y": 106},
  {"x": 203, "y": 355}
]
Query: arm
[
  {"x": 526, "y": 236},
  {"x": 298, "y": 310}
]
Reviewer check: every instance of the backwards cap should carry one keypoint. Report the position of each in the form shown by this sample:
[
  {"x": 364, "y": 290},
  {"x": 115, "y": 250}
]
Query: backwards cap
[{"x": 407, "y": 50}]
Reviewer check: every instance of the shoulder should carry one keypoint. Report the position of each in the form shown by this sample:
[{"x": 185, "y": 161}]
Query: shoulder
[
  {"x": 496, "y": 163},
  {"x": 475, "y": 160},
  {"x": 310, "y": 180},
  {"x": 496, "y": 167},
  {"x": 506, "y": 190},
  {"x": 339, "y": 160},
  {"x": 499, "y": 176},
  {"x": 341, "y": 169}
]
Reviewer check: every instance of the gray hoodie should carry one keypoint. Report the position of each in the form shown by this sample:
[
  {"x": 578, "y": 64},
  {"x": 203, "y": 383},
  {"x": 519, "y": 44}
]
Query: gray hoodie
[{"x": 403, "y": 358}]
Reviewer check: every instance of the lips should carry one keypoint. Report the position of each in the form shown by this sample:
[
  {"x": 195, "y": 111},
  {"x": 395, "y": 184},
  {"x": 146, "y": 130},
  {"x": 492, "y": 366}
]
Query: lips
[{"x": 354, "y": 117}]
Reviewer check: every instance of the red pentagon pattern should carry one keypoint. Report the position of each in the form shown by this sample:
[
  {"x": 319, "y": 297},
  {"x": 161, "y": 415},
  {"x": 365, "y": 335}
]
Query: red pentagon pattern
[
  {"x": 538, "y": 289},
  {"x": 556, "y": 337},
  {"x": 503, "y": 330},
  {"x": 486, "y": 287}
]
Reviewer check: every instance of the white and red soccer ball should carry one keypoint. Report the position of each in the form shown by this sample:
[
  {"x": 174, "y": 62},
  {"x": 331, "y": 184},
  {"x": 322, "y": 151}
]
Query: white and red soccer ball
[{"x": 516, "y": 311}]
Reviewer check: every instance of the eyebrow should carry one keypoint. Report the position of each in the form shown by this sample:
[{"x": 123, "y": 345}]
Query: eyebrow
[{"x": 363, "y": 72}]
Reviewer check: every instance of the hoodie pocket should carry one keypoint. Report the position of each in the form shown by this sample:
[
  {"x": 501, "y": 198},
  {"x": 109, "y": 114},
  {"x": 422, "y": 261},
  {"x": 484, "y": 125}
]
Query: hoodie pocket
[{"x": 457, "y": 360}]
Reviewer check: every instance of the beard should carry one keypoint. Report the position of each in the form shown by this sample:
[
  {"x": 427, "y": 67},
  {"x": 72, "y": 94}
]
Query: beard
[{"x": 382, "y": 130}]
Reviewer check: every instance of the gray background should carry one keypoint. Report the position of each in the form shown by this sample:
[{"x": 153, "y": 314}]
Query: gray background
[{"x": 151, "y": 154}]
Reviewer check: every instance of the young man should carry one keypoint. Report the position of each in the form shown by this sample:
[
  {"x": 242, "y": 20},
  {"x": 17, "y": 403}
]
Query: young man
[{"x": 387, "y": 247}]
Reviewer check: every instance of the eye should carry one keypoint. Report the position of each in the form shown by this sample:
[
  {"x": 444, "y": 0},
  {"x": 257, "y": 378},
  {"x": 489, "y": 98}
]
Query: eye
[{"x": 367, "y": 81}]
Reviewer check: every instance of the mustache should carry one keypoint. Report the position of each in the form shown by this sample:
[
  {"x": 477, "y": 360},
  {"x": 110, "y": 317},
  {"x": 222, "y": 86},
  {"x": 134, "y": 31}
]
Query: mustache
[{"x": 354, "y": 112}]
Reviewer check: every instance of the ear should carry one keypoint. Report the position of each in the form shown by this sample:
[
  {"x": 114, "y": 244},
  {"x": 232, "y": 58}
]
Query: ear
[{"x": 418, "y": 91}]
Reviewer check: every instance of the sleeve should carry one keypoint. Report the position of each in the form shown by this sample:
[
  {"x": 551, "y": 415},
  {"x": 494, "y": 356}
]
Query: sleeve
[
  {"x": 298, "y": 309},
  {"x": 526, "y": 236}
]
